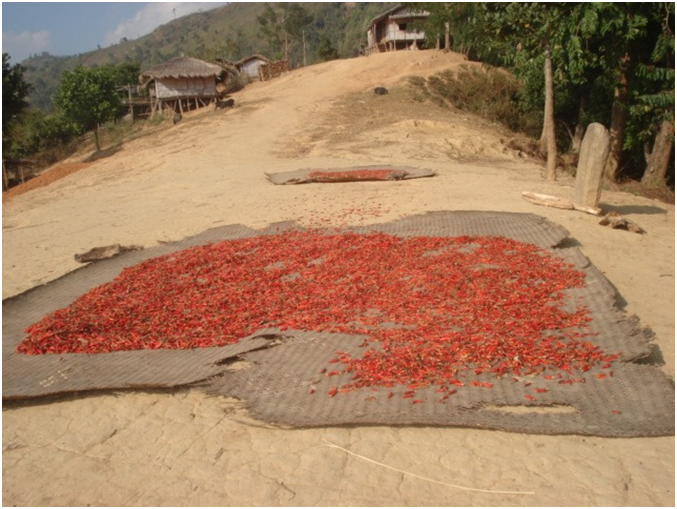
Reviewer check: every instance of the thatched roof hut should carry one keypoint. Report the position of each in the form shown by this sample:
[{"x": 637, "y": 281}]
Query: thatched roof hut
[
  {"x": 180, "y": 67},
  {"x": 180, "y": 82}
]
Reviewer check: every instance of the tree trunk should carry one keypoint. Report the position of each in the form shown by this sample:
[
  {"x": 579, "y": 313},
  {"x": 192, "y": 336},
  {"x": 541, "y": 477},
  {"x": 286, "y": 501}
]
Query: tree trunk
[
  {"x": 619, "y": 112},
  {"x": 580, "y": 128},
  {"x": 305, "y": 63},
  {"x": 549, "y": 120},
  {"x": 286, "y": 46},
  {"x": 96, "y": 139},
  {"x": 659, "y": 161},
  {"x": 447, "y": 38}
]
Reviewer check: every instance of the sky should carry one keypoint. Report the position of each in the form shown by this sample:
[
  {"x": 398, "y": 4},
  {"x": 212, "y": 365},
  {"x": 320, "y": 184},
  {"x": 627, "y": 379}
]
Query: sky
[{"x": 69, "y": 28}]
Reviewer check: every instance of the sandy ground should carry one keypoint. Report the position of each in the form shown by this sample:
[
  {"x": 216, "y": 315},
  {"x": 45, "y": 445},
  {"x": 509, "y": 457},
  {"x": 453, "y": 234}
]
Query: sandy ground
[{"x": 184, "y": 448}]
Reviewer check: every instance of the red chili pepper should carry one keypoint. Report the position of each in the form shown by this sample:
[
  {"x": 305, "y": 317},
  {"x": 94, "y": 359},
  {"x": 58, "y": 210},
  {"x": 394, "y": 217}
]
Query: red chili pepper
[{"x": 506, "y": 318}]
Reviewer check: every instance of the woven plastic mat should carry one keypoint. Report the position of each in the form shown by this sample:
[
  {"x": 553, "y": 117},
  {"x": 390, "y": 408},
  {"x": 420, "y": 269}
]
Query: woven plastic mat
[
  {"x": 279, "y": 374},
  {"x": 351, "y": 174}
]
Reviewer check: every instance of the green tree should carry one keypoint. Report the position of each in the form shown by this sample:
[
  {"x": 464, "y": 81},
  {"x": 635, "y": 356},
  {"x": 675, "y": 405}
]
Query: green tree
[
  {"x": 36, "y": 132},
  {"x": 123, "y": 74},
  {"x": 443, "y": 20},
  {"x": 659, "y": 103},
  {"x": 87, "y": 98},
  {"x": 284, "y": 28},
  {"x": 530, "y": 36},
  {"x": 270, "y": 26},
  {"x": 15, "y": 90},
  {"x": 325, "y": 50},
  {"x": 621, "y": 44}
]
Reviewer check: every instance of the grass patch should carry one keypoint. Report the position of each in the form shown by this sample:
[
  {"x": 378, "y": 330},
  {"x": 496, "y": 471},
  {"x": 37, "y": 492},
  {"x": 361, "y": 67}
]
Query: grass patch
[{"x": 485, "y": 91}]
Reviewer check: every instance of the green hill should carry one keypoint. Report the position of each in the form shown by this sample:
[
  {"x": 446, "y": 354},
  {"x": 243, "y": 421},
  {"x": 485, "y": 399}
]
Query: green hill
[{"x": 231, "y": 32}]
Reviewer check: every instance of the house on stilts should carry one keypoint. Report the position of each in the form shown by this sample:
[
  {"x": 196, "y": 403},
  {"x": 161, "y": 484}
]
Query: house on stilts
[
  {"x": 394, "y": 30},
  {"x": 181, "y": 84}
]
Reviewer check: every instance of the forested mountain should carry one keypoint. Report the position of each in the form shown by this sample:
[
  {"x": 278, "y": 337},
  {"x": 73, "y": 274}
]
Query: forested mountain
[{"x": 232, "y": 32}]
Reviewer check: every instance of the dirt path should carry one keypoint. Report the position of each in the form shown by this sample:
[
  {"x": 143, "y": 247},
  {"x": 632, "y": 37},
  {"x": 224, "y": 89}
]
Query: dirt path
[{"x": 184, "y": 448}]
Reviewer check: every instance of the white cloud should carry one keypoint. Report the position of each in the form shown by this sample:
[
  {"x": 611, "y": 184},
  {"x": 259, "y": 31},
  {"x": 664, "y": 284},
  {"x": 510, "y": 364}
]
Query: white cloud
[
  {"x": 152, "y": 16},
  {"x": 21, "y": 45}
]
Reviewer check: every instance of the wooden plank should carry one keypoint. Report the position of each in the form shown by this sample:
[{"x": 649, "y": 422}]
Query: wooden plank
[
  {"x": 559, "y": 203},
  {"x": 547, "y": 200}
]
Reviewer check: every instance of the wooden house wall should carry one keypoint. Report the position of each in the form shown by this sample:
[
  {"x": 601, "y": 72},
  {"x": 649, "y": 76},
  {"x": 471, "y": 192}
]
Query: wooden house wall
[
  {"x": 251, "y": 68},
  {"x": 394, "y": 33},
  {"x": 174, "y": 88}
]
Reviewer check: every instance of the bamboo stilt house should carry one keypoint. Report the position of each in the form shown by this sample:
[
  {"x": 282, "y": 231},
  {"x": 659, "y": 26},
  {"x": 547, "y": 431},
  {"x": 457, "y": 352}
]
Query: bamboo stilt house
[
  {"x": 395, "y": 30},
  {"x": 181, "y": 84}
]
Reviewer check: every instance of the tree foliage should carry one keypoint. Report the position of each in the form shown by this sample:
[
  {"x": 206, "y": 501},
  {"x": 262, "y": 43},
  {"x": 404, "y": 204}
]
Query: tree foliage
[
  {"x": 15, "y": 90},
  {"x": 325, "y": 50},
  {"x": 284, "y": 28},
  {"x": 655, "y": 102},
  {"x": 126, "y": 73},
  {"x": 87, "y": 98},
  {"x": 37, "y": 132},
  {"x": 465, "y": 23}
]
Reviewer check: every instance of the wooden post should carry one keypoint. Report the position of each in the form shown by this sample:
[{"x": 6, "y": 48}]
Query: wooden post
[
  {"x": 5, "y": 178},
  {"x": 129, "y": 98},
  {"x": 158, "y": 101},
  {"x": 304, "y": 49},
  {"x": 548, "y": 137},
  {"x": 286, "y": 47}
]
